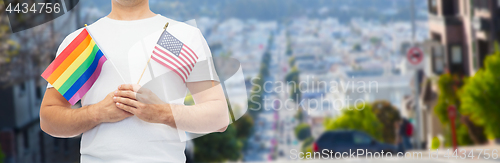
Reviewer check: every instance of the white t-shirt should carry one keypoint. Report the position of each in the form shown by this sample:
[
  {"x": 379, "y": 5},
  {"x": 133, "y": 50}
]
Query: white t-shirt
[{"x": 128, "y": 45}]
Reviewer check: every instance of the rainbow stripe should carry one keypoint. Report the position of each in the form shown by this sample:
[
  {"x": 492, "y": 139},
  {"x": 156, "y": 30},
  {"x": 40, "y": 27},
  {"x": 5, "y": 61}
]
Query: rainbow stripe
[{"x": 76, "y": 69}]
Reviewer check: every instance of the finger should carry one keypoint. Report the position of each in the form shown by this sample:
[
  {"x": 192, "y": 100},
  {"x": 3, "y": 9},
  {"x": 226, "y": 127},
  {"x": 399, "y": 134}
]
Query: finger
[
  {"x": 125, "y": 87},
  {"x": 126, "y": 108},
  {"x": 126, "y": 101},
  {"x": 136, "y": 87},
  {"x": 130, "y": 87},
  {"x": 126, "y": 94}
]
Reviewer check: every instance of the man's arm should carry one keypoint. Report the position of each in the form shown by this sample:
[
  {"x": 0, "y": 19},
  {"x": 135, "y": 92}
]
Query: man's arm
[
  {"x": 209, "y": 114},
  {"x": 58, "y": 119}
]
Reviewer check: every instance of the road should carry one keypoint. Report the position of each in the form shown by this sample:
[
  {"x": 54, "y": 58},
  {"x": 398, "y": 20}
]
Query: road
[
  {"x": 261, "y": 144},
  {"x": 273, "y": 130}
]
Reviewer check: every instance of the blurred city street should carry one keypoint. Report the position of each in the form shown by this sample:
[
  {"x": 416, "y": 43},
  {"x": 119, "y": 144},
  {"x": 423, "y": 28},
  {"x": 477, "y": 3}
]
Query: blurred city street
[{"x": 381, "y": 75}]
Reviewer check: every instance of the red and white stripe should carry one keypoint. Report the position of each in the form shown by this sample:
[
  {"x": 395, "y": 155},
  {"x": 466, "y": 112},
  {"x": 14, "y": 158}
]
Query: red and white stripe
[{"x": 182, "y": 65}]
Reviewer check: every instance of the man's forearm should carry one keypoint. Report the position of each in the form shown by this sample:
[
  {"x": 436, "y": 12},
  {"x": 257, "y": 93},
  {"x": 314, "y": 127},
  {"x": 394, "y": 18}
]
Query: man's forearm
[
  {"x": 207, "y": 117},
  {"x": 63, "y": 122}
]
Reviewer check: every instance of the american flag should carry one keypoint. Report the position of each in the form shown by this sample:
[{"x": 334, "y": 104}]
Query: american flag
[{"x": 175, "y": 55}]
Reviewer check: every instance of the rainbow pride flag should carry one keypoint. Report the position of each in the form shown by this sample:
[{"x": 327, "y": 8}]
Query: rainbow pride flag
[{"x": 76, "y": 69}]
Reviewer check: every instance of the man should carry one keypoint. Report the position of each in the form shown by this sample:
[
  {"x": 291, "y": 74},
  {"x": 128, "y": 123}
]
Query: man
[{"x": 118, "y": 121}]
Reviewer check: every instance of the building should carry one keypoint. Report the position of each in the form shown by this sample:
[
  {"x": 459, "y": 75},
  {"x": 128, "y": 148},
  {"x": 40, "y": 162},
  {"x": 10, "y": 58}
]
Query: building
[
  {"x": 466, "y": 32},
  {"x": 21, "y": 138},
  {"x": 462, "y": 33}
]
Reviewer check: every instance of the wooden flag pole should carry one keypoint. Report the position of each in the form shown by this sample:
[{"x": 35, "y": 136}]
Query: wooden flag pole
[{"x": 144, "y": 70}]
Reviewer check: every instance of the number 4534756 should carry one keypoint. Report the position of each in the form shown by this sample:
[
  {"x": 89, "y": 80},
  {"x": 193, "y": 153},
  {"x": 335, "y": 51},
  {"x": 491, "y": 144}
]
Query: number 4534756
[{"x": 40, "y": 7}]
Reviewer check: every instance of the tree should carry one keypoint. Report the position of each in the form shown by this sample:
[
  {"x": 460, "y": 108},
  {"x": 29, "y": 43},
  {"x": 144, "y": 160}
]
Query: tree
[
  {"x": 447, "y": 96},
  {"x": 388, "y": 115},
  {"x": 255, "y": 98},
  {"x": 480, "y": 97},
  {"x": 299, "y": 116},
  {"x": 375, "y": 40},
  {"x": 225, "y": 146},
  {"x": 294, "y": 77},
  {"x": 303, "y": 131},
  {"x": 244, "y": 127},
  {"x": 291, "y": 61},
  {"x": 307, "y": 144},
  {"x": 9, "y": 48},
  {"x": 2, "y": 156},
  {"x": 357, "y": 47},
  {"x": 289, "y": 50},
  {"x": 20, "y": 63},
  {"x": 353, "y": 119},
  {"x": 448, "y": 85},
  {"x": 218, "y": 147},
  {"x": 189, "y": 100},
  {"x": 264, "y": 70}
]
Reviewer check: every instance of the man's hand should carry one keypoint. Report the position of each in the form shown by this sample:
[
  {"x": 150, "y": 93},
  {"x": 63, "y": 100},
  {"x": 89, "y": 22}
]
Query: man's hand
[
  {"x": 209, "y": 114},
  {"x": 144, "y": 104},
  {"x": 58, "y": 119},
  {"x": 106, "y": 110}
]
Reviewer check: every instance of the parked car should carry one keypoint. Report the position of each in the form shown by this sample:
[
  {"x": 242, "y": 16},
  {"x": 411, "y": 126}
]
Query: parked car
[{"x": 345, "y": 140}]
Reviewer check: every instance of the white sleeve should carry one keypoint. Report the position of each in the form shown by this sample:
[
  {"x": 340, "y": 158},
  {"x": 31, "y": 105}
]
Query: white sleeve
[
  {"x": 204, "y": 68},
  {"x": 63, "y": 45}
]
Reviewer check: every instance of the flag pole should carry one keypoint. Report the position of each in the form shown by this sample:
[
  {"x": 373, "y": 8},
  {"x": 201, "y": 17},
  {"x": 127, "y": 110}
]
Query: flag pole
[
  {"x": 105, "y": 54},
  {"x": 144, "y": 70}
]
